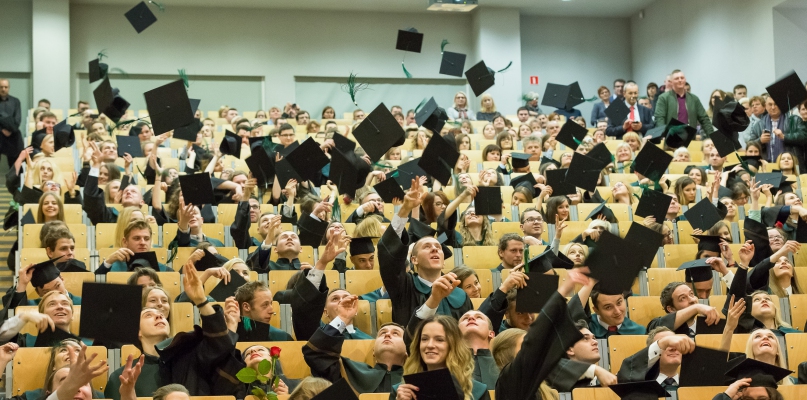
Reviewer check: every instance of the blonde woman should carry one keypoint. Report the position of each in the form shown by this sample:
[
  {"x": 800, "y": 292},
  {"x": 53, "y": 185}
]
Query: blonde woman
[
  {"x": 420, "y": 140},
  {"x": 475, "y": 230},
  {"x": 487, "y": 109},
  {"x": 624, "y": 158},
  {"x": 438, "y": 344},
  {"x": 460, "y": 110},
  {"x": 782, "y": 278},
  {"x": 633, "y": 139},
  {"x": 764, "y": 309},
  {"x": 576, "y": 252}
]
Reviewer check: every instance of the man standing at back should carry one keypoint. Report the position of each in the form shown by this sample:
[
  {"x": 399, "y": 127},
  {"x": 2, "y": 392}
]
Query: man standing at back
[
  {"x": 679, "y": 104},
  {"x": 11, "y": 139}
]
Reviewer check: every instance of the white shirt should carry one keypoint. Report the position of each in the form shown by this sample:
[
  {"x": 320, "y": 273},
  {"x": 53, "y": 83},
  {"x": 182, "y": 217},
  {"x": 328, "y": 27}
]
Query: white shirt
[
  {"x": 604, "y": 325},
  {"x": 337, "y": 323},
  {"x": 653, "y": 355}
]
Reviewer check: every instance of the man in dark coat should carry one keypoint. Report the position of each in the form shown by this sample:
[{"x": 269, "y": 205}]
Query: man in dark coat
[{"x": 579, "y": 368}]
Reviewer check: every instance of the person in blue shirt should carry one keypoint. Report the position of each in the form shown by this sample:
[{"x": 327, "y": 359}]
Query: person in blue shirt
[{"x": 136, "y": 239}]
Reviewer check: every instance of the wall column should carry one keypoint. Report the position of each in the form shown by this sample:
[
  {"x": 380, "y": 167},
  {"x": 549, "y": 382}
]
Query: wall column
[
  {"x": 51, "y": 52},
  {"x": 497, "y": 40}
]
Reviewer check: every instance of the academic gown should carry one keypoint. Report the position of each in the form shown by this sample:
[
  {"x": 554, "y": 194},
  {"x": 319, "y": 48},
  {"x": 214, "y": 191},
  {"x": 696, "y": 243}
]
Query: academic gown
[
  {"x": 120, "y": 266},
  {"x": 577, "y": 312},
  {"x": 669, "y": 322},
  {"x": 566, "y": 376},
  {"x": 374, "y": 296},
  {"x": 545, "y": 343},
  {"x": 94, "y": 204},
  {"x": 146, "y": 384},
  {"x": 479, "y": 391},
  {"x": 355, "y": 218},
  {"x": 29, "y": 340},
  {"x": 239, "y": 230},
  {"x": 259, "y": 261},
  {"x": 322, "y": 354},
  {"x": 183, "y": 239},
  {"x": 204, "y": 360},
  {"x": 494, "y": 307},
  {"x": 406, "y": 290}
]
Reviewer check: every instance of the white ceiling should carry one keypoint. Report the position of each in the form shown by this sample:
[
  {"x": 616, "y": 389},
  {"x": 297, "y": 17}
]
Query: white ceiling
[{"x": 579, "y": 8}]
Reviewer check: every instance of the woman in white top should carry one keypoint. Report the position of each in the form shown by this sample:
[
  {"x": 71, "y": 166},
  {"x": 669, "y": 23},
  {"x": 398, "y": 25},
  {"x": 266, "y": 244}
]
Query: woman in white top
[{"x": 460, "y": 110}]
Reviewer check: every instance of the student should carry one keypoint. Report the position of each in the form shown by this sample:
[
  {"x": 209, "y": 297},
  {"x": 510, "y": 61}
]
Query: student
[
  {"x": 389, "y": 351},
  {"x": 154, "y": 328},
  {"x": 74, "y": 382},
  {"x": 610, "y": 312},
  {"x": 94, "y": 204},
  {"x": 55, "y": 311},
  {"x": 252, "y": 356},
  {"x": 409, "y": 291},
  {"x": 659, "y": 361},
  {"x": 44, "y": 278},
  {"x": 189, "y": 227},
  {"x": 255, "y": 302},
  {"x": 247, "y": 213},
  {"x": 578, "y": 368},
  {"x": 287, "y": 244},
  {"x": 136, "y": 239}
]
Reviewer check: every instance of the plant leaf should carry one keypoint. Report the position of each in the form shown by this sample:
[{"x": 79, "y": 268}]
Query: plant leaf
[
  {"x": 271, "y": 396},
  {"x": 265, "y": 367},
  {"x": 259, "y": 393},
  {"x": 247, "y": 375}
]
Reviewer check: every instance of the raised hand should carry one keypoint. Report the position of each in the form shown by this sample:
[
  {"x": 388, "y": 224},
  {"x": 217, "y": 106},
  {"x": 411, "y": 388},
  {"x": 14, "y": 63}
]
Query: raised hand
[
  {"x": 347, "y": 309},
  {"x": 735, "y": 311},
  {"x": 129, "y": 376}
]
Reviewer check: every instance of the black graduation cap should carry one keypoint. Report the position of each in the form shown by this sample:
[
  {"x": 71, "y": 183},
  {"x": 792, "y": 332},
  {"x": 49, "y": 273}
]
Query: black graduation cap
[
  {"x": 575, "y": 96},
  {"x": 63, "y": 135},
  {"x": 679, "y": 135},
  {"x": 409, "y": 40},
  {"x": 656, "y": 134},
  {"x": 252, "y": 331},
  {"x": 703, "y": 367},
  {"x": 788, "y": 92},
  {"x": 618, "y": 111},
  {"x": 555, "y": 95},
  {"x": 344, "y": 172},
  {"x": 761, "y": 373},
  {"x": 725, "y": 143},
  {"x": 197, "y": 189},
  {"x": 480, "y": 77},
  {"x": 308, "y": 159},
  {"x": 230, "y": 144},
  {"x": 406, "y": 172},
  {"x": 45, "y": 272},
  {"x": 584, "y": 172},
  {"x": 702, "y": 328},
  {"x": 528, "y": 181},
  {"x": 28, "y": 195},
  {"x": 141, "y": 17},
  {"x": 129, "y": 144},
  {"x": 221, "y": 292},
  {"x": 144, "y": 259},
  {"x": 539, "y": 289},
  {"x": 602, "y": 209},
  {"x": 757, "y": 233},
  {"x": 697, "y": 270},
  {"x": 651, "y": 162},
  {"x": 769, "y": 178},
  {"x": 97, "y": 70},
  {"x": 389, "y": 189},
  {"x": 261, "y": 166},
  {"x": 547, "y": 160},
  {"x": 703, "y": 215},
  {"x": 71, "y": 265},
  {"x": 653, "y": 203},
  {"x": 452, "y": 64},
  {"x": 340, "y": 390},
  {"x": 51, "y": 338},
  {"x": 188, "y": 132},
  {"x": 113, "y": 321},
  {"x": 109, "y": 101},
  {"x": 488, "y": 200},
  {"x": 571, "y": 134},
  {"x": 169, "y": 107},
  {"x": 556, "y": 178},
  {"x": 28, "y": 218},
  {"x": 311, "y": 231},
  {"x": 644, "y": 390},
  {"x": 722, "y": 192},
  {"x": 434, "y": 385},
  {"x": 285, "y": 172},
  {"x": 362, "y": 245},
  {"x": 418, "y": 230},
  {"x": 752, "y": 161},
  {"x": 646, "y": 242},
  {"x": 601, "y": 153},
  {"x": 549, "y": 260},
  {"x": 209, "y": 260},
  {"x": 343, "y": 144},
  {"x": 439, "y": 159},
  {"x": 520, "y": 160},
  {"x": 801, "y": 231},
  {"x": 615, "y": 263},
  {"x": 379, "y": 132},
  {"x": 431, "y": 116},
  {"x": 730, "y": 117}
]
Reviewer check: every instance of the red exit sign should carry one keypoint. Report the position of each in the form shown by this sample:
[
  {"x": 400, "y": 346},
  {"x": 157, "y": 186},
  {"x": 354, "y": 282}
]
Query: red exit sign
[{"x": 533, "y": 80}]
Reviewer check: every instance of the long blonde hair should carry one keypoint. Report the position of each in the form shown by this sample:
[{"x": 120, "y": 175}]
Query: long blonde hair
[
  {"x": 40, "y": 214},
  {"x": 503, "y": 350},
  {"x": 309, "y": 388},
  {"x": 773, "y": 284},
  {"x": 468, "y": 238},
  {"x": 777, "y": 317},
  {"x": 369, "y": 227},
  {"x": 780, "y": 359},
  {"x": 482, "y": 107},
  {"x": 57, "y": 173},
  {"x": 458, "y": 361},
  {"x": 124, "y": 218}
]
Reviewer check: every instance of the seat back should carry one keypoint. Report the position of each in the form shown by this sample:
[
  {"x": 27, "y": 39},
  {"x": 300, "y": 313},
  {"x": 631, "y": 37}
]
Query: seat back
[
  {"x": 621, "y": 347},
  {"x": 30, "y": 234},
  {"x": 383, "y": 312},
  {"x": 642, "y": 309},
  {"x": 31, "y": 363},
  {"x": 170, "y": 281},
  {"x": 361, "y": 282}
]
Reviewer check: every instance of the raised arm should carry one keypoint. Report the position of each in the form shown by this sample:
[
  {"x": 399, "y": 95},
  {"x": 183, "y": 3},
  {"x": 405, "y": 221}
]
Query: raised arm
[{"x": 735, "y": 311}]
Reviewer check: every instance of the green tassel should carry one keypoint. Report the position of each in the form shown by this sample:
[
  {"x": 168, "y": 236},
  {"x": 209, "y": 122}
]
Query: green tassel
[
  {"x": 443, "y": 45},
  {"x": 101, "y": 55},
  {"x": 527, "y": 97},
  {"x": 590, "y": 99},
  {"x": 160, "y": 6},
  {"x": 505, "y": 68},
  {"x": 14, "y": 205},
  {"x": 336, "y": 211},
  {"x": 119, "y": 71},
  {"x": 247, "y": 324},
  {"x": 131, "y": 121},
  {"x": 382, "y": 165},
  {"x": 408, "y": 75},
  {"x": 269, "y": 145},
  {"x": 526, "y": 259},
  {"x": 184, "y": 76},
  {"x": 422, "y": 102},
  {"x": 353, "y": 88},
  {"x": 75, "y": 115}
]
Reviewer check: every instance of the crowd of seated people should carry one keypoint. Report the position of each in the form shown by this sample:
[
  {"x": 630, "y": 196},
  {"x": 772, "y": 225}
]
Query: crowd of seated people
[{"x": 441, "y": 270}]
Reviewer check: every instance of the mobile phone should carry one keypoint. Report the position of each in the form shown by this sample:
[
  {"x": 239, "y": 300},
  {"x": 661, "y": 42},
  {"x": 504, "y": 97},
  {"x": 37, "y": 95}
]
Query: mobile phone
[{"x": 766, "y": 131}]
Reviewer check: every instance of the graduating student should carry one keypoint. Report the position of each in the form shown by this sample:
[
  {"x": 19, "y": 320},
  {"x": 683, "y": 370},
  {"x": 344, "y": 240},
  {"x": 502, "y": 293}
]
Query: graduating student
[
  {"x": 154, "y": 329},
  {"x": 255, "y": 303},
  {"x": 94, "y": 204},
  {"x": 135, "y": 251},
  {"x": 323, "y": 349},
  {"x": 189, "y": 227},
  {"x": 73, "y": 382},
  {"x": 409, "y": 291},
  {"x": 524, "y": 370},
  {"x": 247, "y": 213},
  {"x": 288, "y": 244},
  {"x": 52, "y": 319},
  {"x": 578, "y": 368},
  {"x": 659, "y": 361},
  {"x": 755, "y": 380},
  {"x": 610, "y": 312},
  {"x": 370, "y": 204}
]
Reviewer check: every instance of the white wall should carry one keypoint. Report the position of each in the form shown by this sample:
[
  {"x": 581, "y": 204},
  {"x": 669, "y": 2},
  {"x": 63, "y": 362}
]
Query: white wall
[
  {"x": 51, "y": 45},
  {"x": 498, "y": 42},
  {"x": 717, "y": 43},
  {"x": 15, "y": 47},
  {"x": 272, "y": 45},
  {"x": 592, "y": 51},
  {"x": 789, "y": 30}
]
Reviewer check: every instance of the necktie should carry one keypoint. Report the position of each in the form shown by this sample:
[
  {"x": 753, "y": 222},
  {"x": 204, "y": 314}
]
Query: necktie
[
  {"x": 691, "y": 333},
  {"x": 463, "y": 113},
  {"x": 669, "y": 382},
  {"x": 612, "y": 330},
  {"x": 633, "y": 113}
]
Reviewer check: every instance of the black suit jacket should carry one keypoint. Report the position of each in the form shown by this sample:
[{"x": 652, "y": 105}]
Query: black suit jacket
[{"x": 645, "y": 115}]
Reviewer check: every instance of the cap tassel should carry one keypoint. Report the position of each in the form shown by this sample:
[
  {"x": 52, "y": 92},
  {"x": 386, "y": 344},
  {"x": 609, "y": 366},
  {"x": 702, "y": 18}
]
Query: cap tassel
[
  {"x": 443, "y": 45},
  {"x": 119, "y": 71},
  {"x": 408, "y": 75},
  {"x": 101, "y": 55},
  {"x": 160, "y": 6},
  {"x": 505, "y": 68},
  {"x": 352, "y": 87},
  {"x": 184, "y": 76},
  {"x": 422, "y": 102}
]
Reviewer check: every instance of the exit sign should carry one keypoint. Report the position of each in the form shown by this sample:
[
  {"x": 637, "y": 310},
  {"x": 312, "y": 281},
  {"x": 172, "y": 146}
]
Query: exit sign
[{"x": 533, "y": 80}]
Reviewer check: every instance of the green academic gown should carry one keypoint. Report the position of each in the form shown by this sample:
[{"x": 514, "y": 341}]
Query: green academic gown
[
  {"x": 478, "y": 392},
  {"x": 146, "y": 384},
  {"x": 485, "y": 369}
]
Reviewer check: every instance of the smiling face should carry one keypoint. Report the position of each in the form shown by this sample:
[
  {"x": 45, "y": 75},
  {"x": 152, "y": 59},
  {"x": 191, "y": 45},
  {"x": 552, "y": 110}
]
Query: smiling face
[
  {"x": 60, "y": 310},
  {"x": 764, "y": 343},
  {"x": 633, "y": 143},
  {"x": 682, "y": 297},
  {"x": 620, "y": 190},
  {"x": 623, "y": 153},
  {"x": 254, "y": 355},
  {"x": 533, "y": 224},
  {"x": 472, "y": 287},
  {"x": 762, "y": 307},
  {"x": 611, "y": 309},
  {"x": 670, "y": 356},
  {"x": 695, "y": 175},
  {"x": 792, "y": 199},
  {"x": 50, "y": 207},
  {"x": 563, "y": 210},
  {"x": 158, "y": 300},
  {"x": 678, "y": 81},
  {"x": 434, "y": 346}
]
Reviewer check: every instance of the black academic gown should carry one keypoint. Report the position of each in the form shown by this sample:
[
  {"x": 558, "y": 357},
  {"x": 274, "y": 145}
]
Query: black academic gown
[
  {"x": 204, "y": 360},
  {"x": 544, "y": 345},
  {"x": 802, "y": 373},
  {"x": 494, "y": 307},
  {"x": 405, "y": 290},
  {"x": 322, "y": 354},
  {"x": 566, "y": 376},
  {"x": 94, "y": 204},
  {"x": 307, "y": 303},
  {"x": 239, "y": 230}
]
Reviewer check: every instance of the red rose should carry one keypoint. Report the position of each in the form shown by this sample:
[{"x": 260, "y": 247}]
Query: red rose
[{"x": 274, "y": 351}]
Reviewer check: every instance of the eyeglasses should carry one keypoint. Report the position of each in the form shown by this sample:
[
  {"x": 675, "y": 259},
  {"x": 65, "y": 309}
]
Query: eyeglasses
[
  {"x": 776, "y": 238},
  {"x": 533, "y": 220},
  {"x": 288, "y": 135},
  {"x": 254, "y": 207}
]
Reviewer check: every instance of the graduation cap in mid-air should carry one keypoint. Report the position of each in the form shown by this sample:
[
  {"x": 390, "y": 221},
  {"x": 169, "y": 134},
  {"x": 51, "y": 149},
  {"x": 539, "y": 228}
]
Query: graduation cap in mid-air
[
  {"x": 539, "y": 289},
  {"x": 379, "y": 132},
  {"x": 439, "y": 159},
  {"x": 141, "y": 17},
  {"x": 480, "y": 77},
  {"x": 115, "y": 321},
  {"x": 705, "y": 367},
  {"x": 564, "y": 97},
  {"x": 63, "y": 135},
  {"x": 197, "y": 189},
  {"x": 643, "y": 390},
  {"x": 230, "y": 144},
  {"x": 646, "y": 241},
  {"x": 452, "y": 64},
  {"x": 431, "y": 116},
  {"x": 788, "y": 91},
  {"x": 615, "y": 263},
  {"x": 652, "y": 162},
  {"x": 129, "y": 145},
  {"x": 311, "y": 231},
  {"x": 603, "y": 210},
  {"x": 488, "y": 200},
  {"x": 169, "y": 107},
  {"x": 556, "y": 179},
  {"x": 409, "y": 40},
  {"x": 109, "y": 101},
  {"x": 97, "y": 70},
  {"x": 571, "y": 134},
  {"x": 584, "y": 172},
  {"x": 389, "y": 189},
  {"x": 617, "y": 112},
  {"x": 703, "y": 215},
  {"x": 308, "y": 159},
  {"x": 678, "y": 134},
  {"x": 653, "y": 203}
]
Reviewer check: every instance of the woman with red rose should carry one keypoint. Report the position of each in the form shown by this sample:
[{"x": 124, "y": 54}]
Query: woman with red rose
[{"x": 253, "y": 355}]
